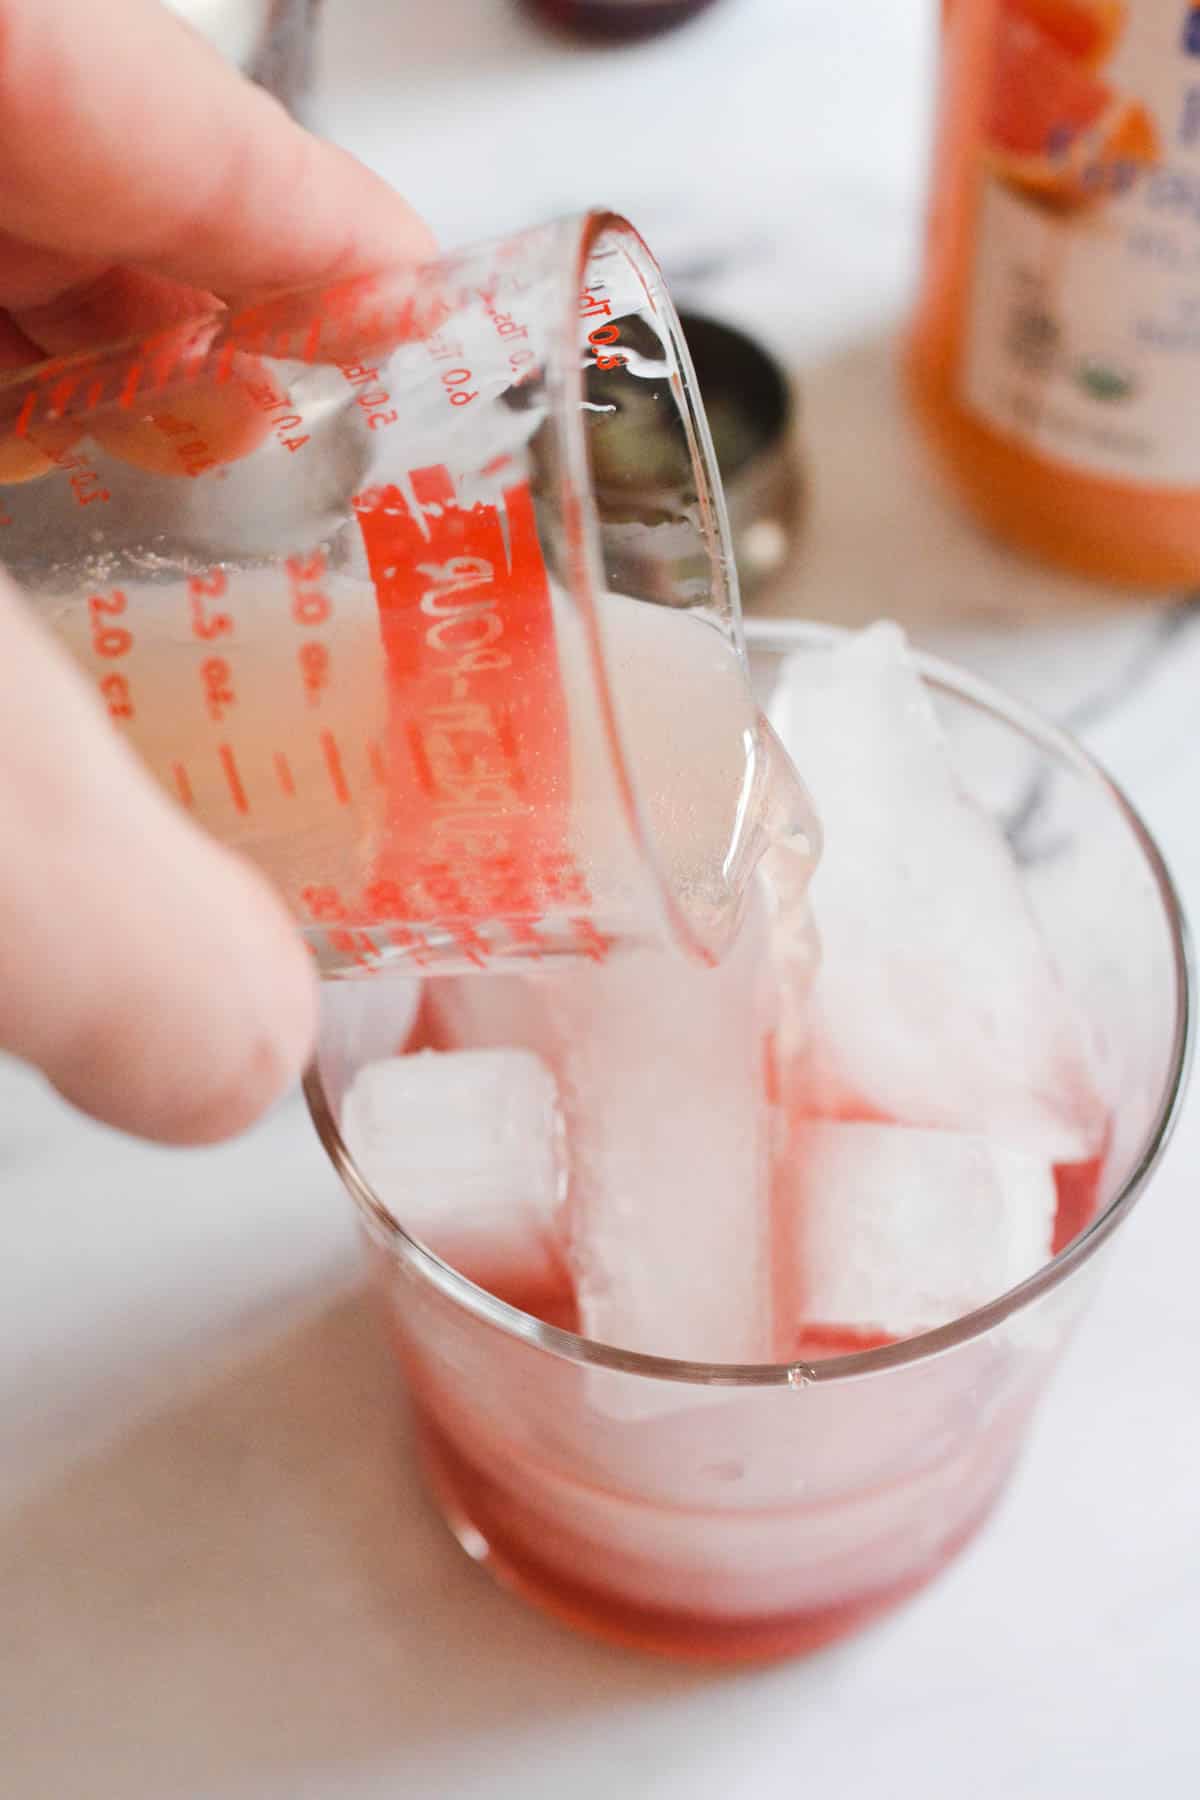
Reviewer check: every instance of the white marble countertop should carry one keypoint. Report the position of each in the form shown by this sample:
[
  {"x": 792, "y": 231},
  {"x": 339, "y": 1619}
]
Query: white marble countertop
[{"x": 218, "y": 1577}]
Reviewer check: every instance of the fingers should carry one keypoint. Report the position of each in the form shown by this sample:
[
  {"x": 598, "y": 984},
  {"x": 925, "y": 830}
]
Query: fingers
[
  {"x": 234, "y": 198},
  {"x": 28, "y": 457},
  {"x": 156, "y": 979},
  {"x": 102, "y": 308},
  {"x": 127, "y": 139},
  {"x": 195, "y": 429}
]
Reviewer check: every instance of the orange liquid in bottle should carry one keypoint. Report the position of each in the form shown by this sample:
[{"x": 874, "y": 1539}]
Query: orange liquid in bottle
[{"x": 1054, "y": 358}]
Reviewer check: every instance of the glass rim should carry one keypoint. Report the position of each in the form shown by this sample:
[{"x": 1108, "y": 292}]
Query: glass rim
[
  {"x": 582, "y": 529},
  {"x": 573, "y": 1347}
]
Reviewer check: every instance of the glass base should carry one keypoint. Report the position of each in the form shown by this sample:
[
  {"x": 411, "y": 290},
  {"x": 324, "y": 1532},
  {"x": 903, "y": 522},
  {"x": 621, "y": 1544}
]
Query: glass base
[{"x": 462, "y": 1499}]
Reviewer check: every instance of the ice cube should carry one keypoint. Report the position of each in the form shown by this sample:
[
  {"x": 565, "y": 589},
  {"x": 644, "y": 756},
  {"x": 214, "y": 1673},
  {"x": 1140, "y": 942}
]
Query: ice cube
[
  {"x": 466, "y": 1150},
  {"x": 896, "y": 1230},
  {"x": 789, "y": 835},
  {"x": 937, "y": 1001},
  {"x": 795, "y": 957},
  {"x": 661, "y": 1065},
  {"x": 669, "y": 1127}
]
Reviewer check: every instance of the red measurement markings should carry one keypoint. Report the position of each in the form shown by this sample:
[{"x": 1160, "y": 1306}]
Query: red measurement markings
[
  {"x": 414, "y": 946},
  {"x": 372, "y": 396},
  {"x": 313, "y": 661},
  {"x": 131, "y": 384},
  {"x": 590, "y": 941},
  {"x": 283, "y": 774},
  {"x": 216, "y": 681},
  {"x": 279, "y": 411},
  {"x": 592, "y": 305},
  {"x": 457, "y": 380},
  {"x": 311, "y": 605},
  {"x": 526, "y": 934},
  {"x": 471, "y": 945},
  {"x": 72, "y": 388},
  {"x": 506, "y": 884},
  {"x": 311, "y": 608},
  {"x": 109, "y": 640},
  {"x": 60, "y": 394},
  {"x": 457, "y": 383},
  {"x": 183, "y": 785},
  {"x": 192, "y": 452},
  {"x": 353, "y": 944},
  {"x": 448, "y": 891},
  {"x": 563, "y": 881},
  {"x": 327, "y": 907},
  {"x": 117, "y": 696},
  {"x": 513, "y": 335},
  {"x": 385, "y": 900},
  {"x": 601, "y": 336},
  {"x": 505, "y": 324},
  {"x": 85, "y": 482},
  {"x": 478, "y": 716},
  {"x": 414, "y": 737},
  {"x": 171, "y": 355},
  {"x": 367, "y": 315},
  {"x": 177, "y": 353},
  {"x": 207, "y": 624},
  {"x": 233, "y": 777},
  {"x": 333, "y": 762},
  {"x": 324, "y": 903}
]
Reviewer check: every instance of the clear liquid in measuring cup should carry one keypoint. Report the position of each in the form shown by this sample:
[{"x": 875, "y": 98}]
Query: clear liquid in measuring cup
[{"x": 441, "y": 830}]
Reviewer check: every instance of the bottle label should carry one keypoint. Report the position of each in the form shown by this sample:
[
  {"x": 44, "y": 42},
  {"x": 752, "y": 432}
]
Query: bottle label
[{"x": 1083, "y": 318}]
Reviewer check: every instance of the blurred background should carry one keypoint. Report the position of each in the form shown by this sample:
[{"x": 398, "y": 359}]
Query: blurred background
[{"x": 774, "y": 153}]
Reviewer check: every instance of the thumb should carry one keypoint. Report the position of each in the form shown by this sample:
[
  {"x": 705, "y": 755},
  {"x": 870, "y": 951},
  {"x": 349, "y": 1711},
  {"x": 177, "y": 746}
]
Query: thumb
[{"x": 155, "y": 978}]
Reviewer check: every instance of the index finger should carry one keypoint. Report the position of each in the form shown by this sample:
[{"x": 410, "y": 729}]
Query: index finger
[{"x": 127, "y": 139}]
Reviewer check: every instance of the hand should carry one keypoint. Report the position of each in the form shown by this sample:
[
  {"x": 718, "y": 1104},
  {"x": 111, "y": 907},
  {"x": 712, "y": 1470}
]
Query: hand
[{"x": 155, "y": 978}]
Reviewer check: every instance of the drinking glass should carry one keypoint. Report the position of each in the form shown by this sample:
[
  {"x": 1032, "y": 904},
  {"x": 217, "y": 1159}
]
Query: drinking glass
[{"x": 733, "y": 1512}]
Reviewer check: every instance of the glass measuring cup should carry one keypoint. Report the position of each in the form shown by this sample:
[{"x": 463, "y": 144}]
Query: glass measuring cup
[{"x": 417, "y": 590}]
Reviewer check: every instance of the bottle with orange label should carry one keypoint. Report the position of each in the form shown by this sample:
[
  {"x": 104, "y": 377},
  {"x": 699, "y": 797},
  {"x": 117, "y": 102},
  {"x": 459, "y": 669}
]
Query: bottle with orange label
[{"x": 1055, "y": 352}]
